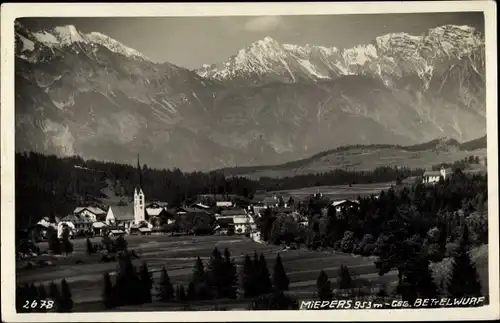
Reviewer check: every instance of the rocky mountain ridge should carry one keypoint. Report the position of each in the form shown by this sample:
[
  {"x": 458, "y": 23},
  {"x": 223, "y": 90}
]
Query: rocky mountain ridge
[{"x": 90, "y": 95}]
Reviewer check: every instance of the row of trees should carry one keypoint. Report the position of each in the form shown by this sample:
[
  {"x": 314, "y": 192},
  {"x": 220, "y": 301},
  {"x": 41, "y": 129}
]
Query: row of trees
[
  {"x": 219, "y": 279},
  {"x": 31, "y": 298},
  {"x": 463, "y": 163},
  {"x": 131, "y": 287}
]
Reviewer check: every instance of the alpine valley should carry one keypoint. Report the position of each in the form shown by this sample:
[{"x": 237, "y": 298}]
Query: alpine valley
[{"x": 270, "y": 103}]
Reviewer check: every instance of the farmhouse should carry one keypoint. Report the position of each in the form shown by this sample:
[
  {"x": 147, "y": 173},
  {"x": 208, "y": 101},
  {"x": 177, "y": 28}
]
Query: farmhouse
[
  {"x": 92, "y": 213},
  {"x": 432, "y": 177},
  {"x": 238, "y": 223},
  {"x": 155, "y": 210},
  {"x": 344, "y": 204},
  {"x": 79, "y": 222}
]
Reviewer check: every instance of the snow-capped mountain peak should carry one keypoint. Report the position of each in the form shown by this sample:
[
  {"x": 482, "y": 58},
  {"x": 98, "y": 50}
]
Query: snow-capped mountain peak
[
  {"x": 69, "y": 35},
  {"x": 388, "y": 55},
  {"x": 114, "y": 45}
]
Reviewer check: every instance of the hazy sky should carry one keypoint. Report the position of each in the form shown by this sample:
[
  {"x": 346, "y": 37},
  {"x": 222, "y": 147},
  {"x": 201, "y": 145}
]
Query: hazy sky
[{"x": 193, "y": 41}]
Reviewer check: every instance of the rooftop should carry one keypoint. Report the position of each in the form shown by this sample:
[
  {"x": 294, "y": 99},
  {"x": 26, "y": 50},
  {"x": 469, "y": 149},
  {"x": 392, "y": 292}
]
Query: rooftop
[
  {"x": 229, "y": 212},
  {"x": 92, "y": 209},
  {"x": 123, "y": 213}
]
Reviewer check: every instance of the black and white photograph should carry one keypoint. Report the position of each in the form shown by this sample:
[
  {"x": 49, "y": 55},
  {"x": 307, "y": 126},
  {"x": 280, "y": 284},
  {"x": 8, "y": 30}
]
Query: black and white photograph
[{"x": 255, "y": 159}]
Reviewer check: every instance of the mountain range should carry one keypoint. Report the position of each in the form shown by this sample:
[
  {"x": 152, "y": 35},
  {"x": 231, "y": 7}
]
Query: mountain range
[{"x": 270, "y": 103}]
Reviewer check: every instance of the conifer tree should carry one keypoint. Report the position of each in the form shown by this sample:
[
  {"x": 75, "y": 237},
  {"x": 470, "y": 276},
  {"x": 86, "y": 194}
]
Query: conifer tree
[
  {"x": 464, "y": 279},
  {"x": 191, "y": 292},
  {"x": 107, "y": 292},
  {"x": 66, "y": 299},
  {"x": 146, "y": 282},
  {"x": 345, "y": 280},
  {"x": 280, "y": 279},
  {"x": 264, "y": 279},
  {"x": 89, "y": 247},
  {"x": 248, "y": 281},
  {"x": 215, "y": 273},
  {"x": 200, "y": 288},
  {"x": 231, "y": 276},
  {"x": 324, "y": 287},
  {"x": 55, "y": 296},
  {"x": 42, "y": 293},
  {"x": 65, "y": 244},
  {"x": 165, "y": 288},
  {"x": 180, "y": 293},
  {"x": 417, "y": 281},
  {"x": 53, "y": 240},
  {"x": 198, "y": 271},
  {"x": 33, "y": 292}
]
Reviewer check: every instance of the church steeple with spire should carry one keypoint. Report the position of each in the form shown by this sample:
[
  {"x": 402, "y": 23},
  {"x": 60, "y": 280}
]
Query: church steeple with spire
[{"x": 139, "y": 198}]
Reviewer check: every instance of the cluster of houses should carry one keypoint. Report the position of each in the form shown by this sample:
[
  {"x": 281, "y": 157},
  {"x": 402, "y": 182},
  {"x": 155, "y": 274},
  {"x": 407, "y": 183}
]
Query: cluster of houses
[
  {"x": 237, "y": 217},
  {"x": 232, "y": 215}
]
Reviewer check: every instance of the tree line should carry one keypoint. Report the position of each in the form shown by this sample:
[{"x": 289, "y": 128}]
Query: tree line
[{"x": 462, "y": 164}]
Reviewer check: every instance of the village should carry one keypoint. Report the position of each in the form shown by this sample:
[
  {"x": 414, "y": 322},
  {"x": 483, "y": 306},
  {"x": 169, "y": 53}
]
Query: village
[
  {"x": 210, "y": 215},
  {"x": 233, "y": 216}
]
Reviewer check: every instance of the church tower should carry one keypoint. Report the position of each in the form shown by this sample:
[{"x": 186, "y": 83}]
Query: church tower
[{"x": 139, "y": 199}]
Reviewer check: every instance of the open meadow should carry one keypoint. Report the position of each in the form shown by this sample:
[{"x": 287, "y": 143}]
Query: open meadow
[
  {"x": 178, "y": 255},
  {"x": 364, "y": 159}
]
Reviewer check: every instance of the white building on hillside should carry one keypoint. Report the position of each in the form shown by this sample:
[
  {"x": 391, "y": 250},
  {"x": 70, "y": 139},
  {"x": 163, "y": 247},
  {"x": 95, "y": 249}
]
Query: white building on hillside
[{"x": 432, "y": 177}]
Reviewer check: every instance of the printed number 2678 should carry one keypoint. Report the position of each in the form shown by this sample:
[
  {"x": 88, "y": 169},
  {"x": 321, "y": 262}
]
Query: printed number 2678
[{"x": 42, "y": 304}]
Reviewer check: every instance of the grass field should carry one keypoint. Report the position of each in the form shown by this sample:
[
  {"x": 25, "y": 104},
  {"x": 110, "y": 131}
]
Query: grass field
[
  {"x": 366, "y": 159},
  {"x": 178, "y": 255}
]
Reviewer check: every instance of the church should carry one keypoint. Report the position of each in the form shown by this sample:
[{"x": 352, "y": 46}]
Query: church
[{"x": 131, "y": 218}]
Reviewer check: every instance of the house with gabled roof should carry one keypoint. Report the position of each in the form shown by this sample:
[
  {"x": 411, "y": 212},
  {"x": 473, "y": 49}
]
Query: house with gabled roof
[
  {"x": 80, "y": 222},
  {"x": 92, "y": 213}
]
